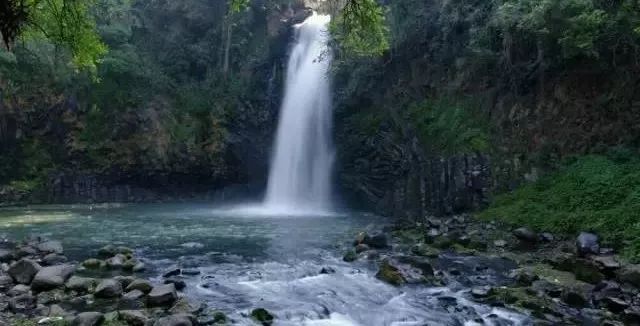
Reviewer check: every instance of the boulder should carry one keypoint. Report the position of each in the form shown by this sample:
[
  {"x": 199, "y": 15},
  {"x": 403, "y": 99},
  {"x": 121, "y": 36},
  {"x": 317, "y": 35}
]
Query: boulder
[
  {"x": 108, "y": 288},
  {"x": 587, "y": 244},
  {"x": 262, "y": 316},
  {"x": 107, "y": 251},
  {"x": 172, "y": 272},
  {"x": 390, "y": 273},
  {"x": 6, "y": 255},
  {"x": 24, "y": 270},
  {"x": 327, "y": 270},
  {"x": 377, "y": 241},
  {"x": 124, "y": 280},
  {"x": 184, "y": 306},
  {"x": 22, "y": 303},
  {"x": 50, "y": 247},
  {"x": 174, "y": 320},
  {"x": 480, "y": 291},
  {"x": 52, "y": 277},
  {"x": 606, "y": 263},
  {"x": 140, "y": 284},
  {"x": 133, "y": 317},
  {"x": 116, "y": 262},
  {"x": 90, "y": 318},
  {"x": 525, "y": 234},
  {"x": 93, "y": 263},
  {"x": 81, "y": 284},
  {"x": 190, "y": 272},
  {"x": 132, "y": 300},
  {"x": 6, "y": 281},
  {"x": 177, "y": 282},
  {"x": 54, "y": 259},
  {"x": 629, "y": 274},
  {"x": 350, "y": 256},
  {"x": 162, "y": 295},
  {"x": 361, "y": 248},
  {"x": 139, "y": 267},
  {"x": 19, "y": 289}
]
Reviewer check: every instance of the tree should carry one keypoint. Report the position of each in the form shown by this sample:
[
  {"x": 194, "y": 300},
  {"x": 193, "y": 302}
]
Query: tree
[
  {"x": 359, "y": 28},
  {"x": 66, "y": 23}
]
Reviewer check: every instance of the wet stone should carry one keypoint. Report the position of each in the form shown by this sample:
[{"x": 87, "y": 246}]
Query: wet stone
[{"x": 24, "y": 270}]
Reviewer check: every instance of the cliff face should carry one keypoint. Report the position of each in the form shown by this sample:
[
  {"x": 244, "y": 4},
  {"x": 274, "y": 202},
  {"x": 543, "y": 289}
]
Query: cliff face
[
  {"x": 532, "y": 108},
  {"x": 170, "y": 117}
]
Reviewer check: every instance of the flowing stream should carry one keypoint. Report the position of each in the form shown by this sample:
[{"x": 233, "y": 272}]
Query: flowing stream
[
  {"x": 249, "y": 261},
  {"x": 300, "y": 176}
]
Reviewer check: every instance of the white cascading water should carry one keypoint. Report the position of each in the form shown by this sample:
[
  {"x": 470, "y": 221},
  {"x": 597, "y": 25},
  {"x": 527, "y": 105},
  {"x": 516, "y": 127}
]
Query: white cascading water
[{"x": 300, "y": 176}]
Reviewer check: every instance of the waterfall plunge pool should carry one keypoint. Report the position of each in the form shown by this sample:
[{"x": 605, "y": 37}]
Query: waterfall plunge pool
[{"x": 250, "y": 261}]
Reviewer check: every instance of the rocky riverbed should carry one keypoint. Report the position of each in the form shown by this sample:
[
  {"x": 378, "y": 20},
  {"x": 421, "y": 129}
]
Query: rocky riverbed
[
  {"x": 554, "y": 281},
  {"x": 442, "y": 271}
]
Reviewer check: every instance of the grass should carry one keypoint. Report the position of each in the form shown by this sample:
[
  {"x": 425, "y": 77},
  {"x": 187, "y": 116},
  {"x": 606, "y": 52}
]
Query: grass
[{"x": 594, "y": 193}]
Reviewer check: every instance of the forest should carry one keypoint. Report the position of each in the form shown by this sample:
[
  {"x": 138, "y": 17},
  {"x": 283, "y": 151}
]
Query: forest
[{"x": 301, "y": 162}]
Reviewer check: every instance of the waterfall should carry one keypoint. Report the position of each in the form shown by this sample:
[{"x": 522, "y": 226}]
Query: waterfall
[{"x": 300, "y": 175}]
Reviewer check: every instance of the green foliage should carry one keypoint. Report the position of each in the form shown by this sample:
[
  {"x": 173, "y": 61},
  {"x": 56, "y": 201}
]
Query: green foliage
[
  {"x": 450, "y": 126},
  {"x": 69, "y": 24},
  {"x": 360, "y": 28},
  {"x": 594, "y": 193},
  {"x": 238, "y": 5}
]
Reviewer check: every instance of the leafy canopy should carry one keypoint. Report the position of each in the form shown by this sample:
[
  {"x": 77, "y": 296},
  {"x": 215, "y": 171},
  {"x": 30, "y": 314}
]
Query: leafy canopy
[{"x": 68, "y": 24}]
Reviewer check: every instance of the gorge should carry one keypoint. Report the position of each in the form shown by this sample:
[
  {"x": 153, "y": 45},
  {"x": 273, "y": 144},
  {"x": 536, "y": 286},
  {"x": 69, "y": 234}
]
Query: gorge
[{"x": 253, "y": 162}]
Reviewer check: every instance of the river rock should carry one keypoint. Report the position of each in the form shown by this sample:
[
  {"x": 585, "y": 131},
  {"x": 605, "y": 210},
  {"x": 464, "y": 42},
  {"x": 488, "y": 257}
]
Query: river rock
[
  {"x": 132, "y": 300},
  {"x": 500, "y": 243},
  {"x": 50, "y": 247},
  {"x": 140, "y": 284},
  {"x": 162, "y": 295},
  {"x": 52, "y": 277},
  {"x": 178, "y": 283},
  {"x": 615, "y": 304},
  {"x": 629, "y": 274},
  {"x": 190, "y": 272},
  {"x": 139, "y": 267},
  {"x": 377, "y": 241},
  {"x": 22, "y": 303},
  {"x": 133, "y": 317},
  {"x": 125, "y": 280},
  {"x": 108, "y": 288},
  {"x": 24, "y": 270},
  {"x": 93, "y": 263},
  {"x": 116, "y": 262},
  {"x": 54, "y": 259},
  {"x": 480, "y": 291},
  {"x": 587, "y": 243},
  {"x": 186, "y": 307},
  {"x": 327, "y": 270},
  {"x": 262, "y": 316},
  {"x": 6, "y": 281},
  {"x": 350, "y": 256},
  {"x": 6, "y": 255},
  {"x": 606, "y": 263},
  {"x": 174, "y": 320},
  {"x": 525, "y": 234},
  {"x": 26, "y": 251},
  {"x": 107, "y": 251},
  {"x": 172, "y": 272},
  {"x": 90, "y": 318},
  {"x": 361, "y": 248},
  {"x": 390, "y": 273},
  {"x": 81, "y": 284},
  {"x": 19, "y": 289}
]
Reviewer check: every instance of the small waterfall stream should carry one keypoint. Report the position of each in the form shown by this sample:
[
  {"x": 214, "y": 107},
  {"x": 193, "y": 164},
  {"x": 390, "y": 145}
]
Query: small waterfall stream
[{"x": 300, "y": 175}]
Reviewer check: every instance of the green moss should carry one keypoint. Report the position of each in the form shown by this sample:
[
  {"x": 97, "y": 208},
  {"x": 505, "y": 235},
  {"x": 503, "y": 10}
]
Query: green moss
[
  {"x": 594, "y": 193},
  {"x": 390, "y": 274},
  {"x": 450, "y": 126},
  {"x": 262, "y": 316}
]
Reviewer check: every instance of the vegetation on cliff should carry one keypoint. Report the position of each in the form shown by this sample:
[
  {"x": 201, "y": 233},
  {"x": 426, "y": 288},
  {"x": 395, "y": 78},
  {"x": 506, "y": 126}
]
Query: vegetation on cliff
[{"x": 593, "y": 193}]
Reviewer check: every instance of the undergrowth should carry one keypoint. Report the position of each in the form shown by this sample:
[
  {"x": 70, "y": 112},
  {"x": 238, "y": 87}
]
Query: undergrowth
[{"x": 594, "y": 193}]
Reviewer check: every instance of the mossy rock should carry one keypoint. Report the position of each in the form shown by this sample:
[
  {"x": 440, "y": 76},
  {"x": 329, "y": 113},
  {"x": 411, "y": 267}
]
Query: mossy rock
[
  {"x": 425, "y": 250},
  {"x": 390, "y": 274},
  {"x": 442, "y": 242},
  {"x": 262, "y": 316},
  {"x": 462, "y": 250},
  {"x": 350, "y": 256},
  {"x": 522, "y": 297}
]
